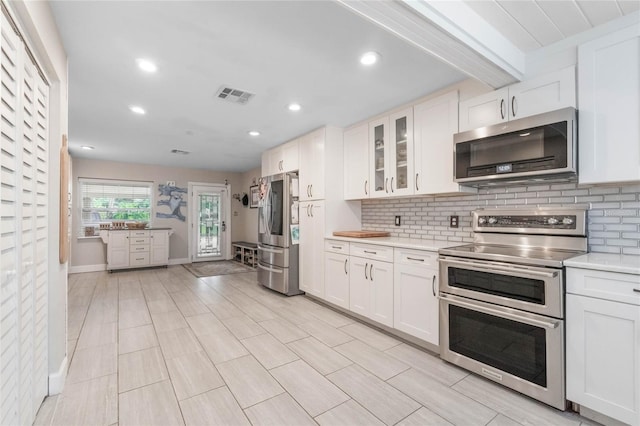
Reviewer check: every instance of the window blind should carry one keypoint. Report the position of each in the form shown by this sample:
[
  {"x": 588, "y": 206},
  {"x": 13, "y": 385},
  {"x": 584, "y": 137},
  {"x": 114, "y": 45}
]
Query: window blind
[{"x": 104, "y": 201}]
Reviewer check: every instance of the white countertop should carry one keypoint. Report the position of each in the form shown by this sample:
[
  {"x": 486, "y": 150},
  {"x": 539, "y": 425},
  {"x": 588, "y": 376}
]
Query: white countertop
[
  {"x": 626, "y": 264},
  {"x": 410, "y": 243}
]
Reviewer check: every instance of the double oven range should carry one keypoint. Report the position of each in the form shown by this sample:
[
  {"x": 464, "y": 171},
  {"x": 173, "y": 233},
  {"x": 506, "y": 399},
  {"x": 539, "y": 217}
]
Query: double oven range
[{"x": 502, "y": 298}]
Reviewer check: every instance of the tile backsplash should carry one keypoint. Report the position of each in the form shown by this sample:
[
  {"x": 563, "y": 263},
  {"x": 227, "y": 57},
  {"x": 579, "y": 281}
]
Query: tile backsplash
[{"x": 613, "y": 219}]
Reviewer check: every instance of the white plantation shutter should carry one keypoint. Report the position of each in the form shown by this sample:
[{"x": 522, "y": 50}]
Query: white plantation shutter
[{"x": 23, "y": 211}]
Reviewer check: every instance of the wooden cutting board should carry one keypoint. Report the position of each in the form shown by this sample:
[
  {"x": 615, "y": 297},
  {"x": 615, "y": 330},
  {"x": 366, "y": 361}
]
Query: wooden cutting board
[{"x": 361, "y": 234}]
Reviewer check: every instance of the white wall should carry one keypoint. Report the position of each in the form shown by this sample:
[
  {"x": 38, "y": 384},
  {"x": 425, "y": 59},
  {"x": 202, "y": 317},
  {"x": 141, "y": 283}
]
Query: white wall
[
  {"x": 37, "y": 24},
  {"x": 245, "y": 218},
  {"x": 90, "y": 254}
]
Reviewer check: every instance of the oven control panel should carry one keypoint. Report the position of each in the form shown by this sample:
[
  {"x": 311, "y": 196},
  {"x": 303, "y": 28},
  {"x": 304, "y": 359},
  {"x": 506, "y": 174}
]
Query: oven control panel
[{"x": 527, "y": 222}]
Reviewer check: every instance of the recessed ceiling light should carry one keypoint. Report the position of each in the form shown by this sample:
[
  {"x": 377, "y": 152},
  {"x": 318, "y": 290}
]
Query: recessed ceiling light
[
  {"x": 369, "y": 58},
  {"x": 87, "y": 147},
  {"x": 294, "y": 107},
  {"x": 138, "y": 110},
  {"x": 254, "y": 133},
  {"x": 146, "y": 65}
]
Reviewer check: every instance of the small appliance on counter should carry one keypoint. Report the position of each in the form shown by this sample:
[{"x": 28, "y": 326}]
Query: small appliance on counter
[{"x": 277, "y": 233}]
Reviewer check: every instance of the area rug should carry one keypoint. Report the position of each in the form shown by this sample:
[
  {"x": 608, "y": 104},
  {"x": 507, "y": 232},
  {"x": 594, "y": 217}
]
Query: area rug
[{"x": 219, "y": 267}]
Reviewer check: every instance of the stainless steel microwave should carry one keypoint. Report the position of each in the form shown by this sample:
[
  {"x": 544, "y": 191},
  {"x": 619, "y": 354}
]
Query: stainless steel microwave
[{"x": 537, "y": 148}]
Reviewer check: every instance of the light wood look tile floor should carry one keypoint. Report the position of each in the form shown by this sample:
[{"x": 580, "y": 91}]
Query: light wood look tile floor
[{"x": 161, "y": 347}]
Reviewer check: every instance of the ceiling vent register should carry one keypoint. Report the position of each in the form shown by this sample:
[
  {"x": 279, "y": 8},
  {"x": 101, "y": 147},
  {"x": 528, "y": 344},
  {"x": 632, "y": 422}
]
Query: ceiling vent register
[{"x": 236, "y": 96}]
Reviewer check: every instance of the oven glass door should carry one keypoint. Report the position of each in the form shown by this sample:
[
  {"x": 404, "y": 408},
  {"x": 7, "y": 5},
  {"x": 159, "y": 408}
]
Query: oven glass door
[
  {"x": 532, "y": 289},
  {"x": 521, "y": 350},
  {"x": 507, "y": 345}
]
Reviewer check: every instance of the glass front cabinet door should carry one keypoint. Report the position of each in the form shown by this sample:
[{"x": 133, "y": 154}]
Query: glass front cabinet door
[
  {"x": 379, "y": 146},
  {"x": 401, "y": 153}
]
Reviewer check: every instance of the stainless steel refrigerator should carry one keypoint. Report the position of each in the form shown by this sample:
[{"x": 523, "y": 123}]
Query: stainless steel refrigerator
[{"x": 277, "y": 233}]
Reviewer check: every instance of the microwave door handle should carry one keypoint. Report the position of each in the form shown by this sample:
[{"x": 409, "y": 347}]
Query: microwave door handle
[
  {"x": 492, "y": 267},
  {"x": 498, "y": 313}
]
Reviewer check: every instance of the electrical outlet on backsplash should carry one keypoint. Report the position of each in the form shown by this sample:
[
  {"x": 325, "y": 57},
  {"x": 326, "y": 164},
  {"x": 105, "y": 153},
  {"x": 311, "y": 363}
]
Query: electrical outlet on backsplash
[{"x": 613, "y": 217}]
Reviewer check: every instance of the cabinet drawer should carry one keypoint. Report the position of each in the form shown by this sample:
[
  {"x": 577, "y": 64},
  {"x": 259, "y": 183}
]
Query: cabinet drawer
[
  {"x": 142, "y": 248},
  {"x": 428, "y": 259},
  {"x": 335, "y": 246},
  {"x": 141, "y": 233},
  {"x": 371, "y": 252},
  {"x": 138, "y": 240},
  {"x": 604, "y": 285},
  {"x": 139, "y": 259}
]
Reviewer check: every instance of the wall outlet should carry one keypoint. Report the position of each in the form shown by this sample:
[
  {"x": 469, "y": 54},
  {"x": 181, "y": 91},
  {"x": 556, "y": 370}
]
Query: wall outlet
[
  {"x": 171, "y": 183},
  {"x": 453, "y": 221},
  {"x": 397, "y": 220}
]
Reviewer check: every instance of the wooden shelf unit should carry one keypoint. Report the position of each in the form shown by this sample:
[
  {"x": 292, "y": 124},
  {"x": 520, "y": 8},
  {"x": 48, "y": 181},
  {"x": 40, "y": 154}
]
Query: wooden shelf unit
[{"x": 245, "y": 253}]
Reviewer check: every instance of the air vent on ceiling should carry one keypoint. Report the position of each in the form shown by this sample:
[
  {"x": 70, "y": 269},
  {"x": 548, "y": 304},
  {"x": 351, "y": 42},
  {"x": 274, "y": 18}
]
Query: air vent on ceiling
[
  {"x": 236, "y": 96},
  {"x": 179, "y": 151}
]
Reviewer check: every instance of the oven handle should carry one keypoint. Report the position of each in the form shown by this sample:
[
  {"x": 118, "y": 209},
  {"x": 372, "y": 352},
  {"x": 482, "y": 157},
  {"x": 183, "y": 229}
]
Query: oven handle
[
  {"x": 498, "y": 313},
  {"x": 500, "y": 267}
]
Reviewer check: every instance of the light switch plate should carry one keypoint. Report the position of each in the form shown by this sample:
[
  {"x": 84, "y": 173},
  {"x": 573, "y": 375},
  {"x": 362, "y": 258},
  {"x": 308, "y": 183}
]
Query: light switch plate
[
  {"x": 171, "y": 183},
  {"x": 397, "y": 220}
]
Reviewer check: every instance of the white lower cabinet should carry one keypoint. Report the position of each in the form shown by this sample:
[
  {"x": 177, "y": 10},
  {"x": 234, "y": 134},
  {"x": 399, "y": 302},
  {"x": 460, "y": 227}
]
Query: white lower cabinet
[
  {"x": 415, "y": 289},
  {"x": 371, "y": 282},
  {"x": 136, "y": 248},
  {"x": 603, "y": 342},
  {"x": 312, "y": 226},
  {"x": 336, "y": 273}
]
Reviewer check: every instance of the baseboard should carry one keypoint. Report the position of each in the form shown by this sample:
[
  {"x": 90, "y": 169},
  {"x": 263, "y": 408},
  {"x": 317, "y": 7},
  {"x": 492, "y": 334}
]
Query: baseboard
[
  {"x": 87, "y": 268},
  {"x": 179, "y": 261},
  {"x": 57, "y": 379}
]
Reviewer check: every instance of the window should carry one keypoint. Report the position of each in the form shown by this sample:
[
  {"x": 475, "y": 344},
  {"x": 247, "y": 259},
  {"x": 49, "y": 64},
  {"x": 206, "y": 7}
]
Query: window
[{"x": 103, "y": 201}]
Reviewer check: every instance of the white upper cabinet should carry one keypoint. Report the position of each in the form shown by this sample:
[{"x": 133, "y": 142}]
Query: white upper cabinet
[
  {"x": 401, "y": 160},
  {"x": 544, "y": 93},
  {"x": 356, "y": 163},
  {"x": 283, "y": 158},
  {"x": 379, "y": 175},
  {"x": 312, "y": 166},
  {"x": 435, "y": 123},
  {"x": 609, "y": 107}
]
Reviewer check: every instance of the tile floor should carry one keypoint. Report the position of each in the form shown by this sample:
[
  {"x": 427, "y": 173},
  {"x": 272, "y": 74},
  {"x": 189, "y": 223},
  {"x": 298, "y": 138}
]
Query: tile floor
[{"x": 161, "y": 347}]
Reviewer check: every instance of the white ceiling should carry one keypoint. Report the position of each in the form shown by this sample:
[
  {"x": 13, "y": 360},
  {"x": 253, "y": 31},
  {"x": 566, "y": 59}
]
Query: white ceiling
[
  {"x": 283, "y": 51},
  {"x": 532, "y": 24}
]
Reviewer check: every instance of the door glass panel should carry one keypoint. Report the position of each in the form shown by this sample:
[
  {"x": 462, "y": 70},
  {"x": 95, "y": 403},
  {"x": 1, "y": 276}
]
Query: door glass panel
[
  {"x": 276, "y": 205},
  {"x": 511, "y": 346},
  {"x": 518, "y": 288},
  {"x": 378, "y": 157},
  {"x": 208, "y": 225},
  {"x": 401, "y": 153}
]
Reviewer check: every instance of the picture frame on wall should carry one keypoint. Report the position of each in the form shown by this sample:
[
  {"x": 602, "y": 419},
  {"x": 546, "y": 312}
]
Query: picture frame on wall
[{"x": 254, "y": 196}]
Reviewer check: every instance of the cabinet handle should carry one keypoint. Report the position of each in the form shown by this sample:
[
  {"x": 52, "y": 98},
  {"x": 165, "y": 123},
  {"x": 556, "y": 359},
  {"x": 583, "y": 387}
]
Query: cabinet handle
[
  {"x": 311, "y": 190},
  {"x": 139, "y": 258},
  {"x": 308, "y": 205},
  {"x": 391, "y": 184},
  {"x": 365, "y": 188},
  {"x": 637, "y": 290},
  {"x": 311, "y": 209},
  {"x": 336, "y": 247},
  {"x": 345, "y": 266},
  {"x": 366, "y": 265},
  {"x": 371, "y": 252},
  {"x": 415, "y": 258},
  {"x": 433, "y": 286},
  {"x": 308, "y": 191},
  {"x": 513, "y": 106},
  {"x": 386, "y": 185},
  {"x": 417, "y": 175},
  {"x": 502, "y": 108},
  {"x": 371, "y": 272}
]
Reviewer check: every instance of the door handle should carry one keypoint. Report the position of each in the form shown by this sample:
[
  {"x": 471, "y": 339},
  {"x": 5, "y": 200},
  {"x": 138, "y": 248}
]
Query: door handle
[
  {"x": 371, "y": 272},
  {"x": 433, "y": 286},
  {"x": 345, "y": 266},
  {"x": 224, "y": 226},
  {"x": 365, "y": 271}
]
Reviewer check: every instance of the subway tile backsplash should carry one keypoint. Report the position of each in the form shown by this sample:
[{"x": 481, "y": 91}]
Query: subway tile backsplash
[{"x": 613, "y": 217}]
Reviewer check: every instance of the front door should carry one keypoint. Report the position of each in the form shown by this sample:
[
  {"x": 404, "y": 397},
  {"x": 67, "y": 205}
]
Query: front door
[{"x": 208, "y": 222}]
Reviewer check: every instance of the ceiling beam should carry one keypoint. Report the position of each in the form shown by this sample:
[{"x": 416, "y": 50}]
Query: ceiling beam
[{"x": 451, "y": 31}]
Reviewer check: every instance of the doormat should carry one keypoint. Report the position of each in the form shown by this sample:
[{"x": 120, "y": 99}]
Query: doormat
[{"x": 218, "y": 267}]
